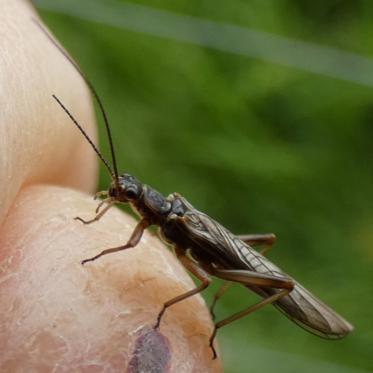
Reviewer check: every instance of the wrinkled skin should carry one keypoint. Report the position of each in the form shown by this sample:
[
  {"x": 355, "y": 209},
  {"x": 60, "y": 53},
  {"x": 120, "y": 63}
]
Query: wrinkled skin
[{"x": 57, "y": 315}]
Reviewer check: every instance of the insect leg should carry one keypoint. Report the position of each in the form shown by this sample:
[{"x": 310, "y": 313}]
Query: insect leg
[
  {"x": 223, "y": 288},
  {"x": 247, "y": 277},
  {"x": 267, "y": 239},
  {"x": 132, "y": 242},
  {"x": 247, "y": 311},
  {"x": 98, "y": 214},
  {"x": 106, "y": 200},
  {"x": 102, "y": 193},
  {"x": 197, "y": 271},
  {"x": 255, "y": 279}
]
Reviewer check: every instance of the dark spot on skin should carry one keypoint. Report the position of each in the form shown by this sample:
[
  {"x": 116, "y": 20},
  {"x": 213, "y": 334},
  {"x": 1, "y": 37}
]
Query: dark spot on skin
[{"x": 152, "y": 353}]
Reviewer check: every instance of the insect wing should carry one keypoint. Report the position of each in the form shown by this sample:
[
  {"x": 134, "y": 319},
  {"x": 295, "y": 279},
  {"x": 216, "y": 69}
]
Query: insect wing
[
  {"x": 300, "y": 305},
  {"x": 310, "y": 313},
  {"x": 226, "y": 248}
]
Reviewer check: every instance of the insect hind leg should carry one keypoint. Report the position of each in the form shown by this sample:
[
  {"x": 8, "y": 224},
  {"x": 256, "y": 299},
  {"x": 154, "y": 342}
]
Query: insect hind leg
[
  {"x": 267, "y": 239},
  {"x": 245, "y": 312},
  {"x": 255, "y": 279}
]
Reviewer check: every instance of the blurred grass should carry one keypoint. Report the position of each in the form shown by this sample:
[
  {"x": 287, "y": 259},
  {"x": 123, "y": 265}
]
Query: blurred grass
[{"x": 259, "y": 147}]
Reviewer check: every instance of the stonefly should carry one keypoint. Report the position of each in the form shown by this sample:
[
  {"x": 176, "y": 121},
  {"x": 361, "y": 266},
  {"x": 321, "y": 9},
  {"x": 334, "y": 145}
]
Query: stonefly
[{"x": 206, "y": 248}]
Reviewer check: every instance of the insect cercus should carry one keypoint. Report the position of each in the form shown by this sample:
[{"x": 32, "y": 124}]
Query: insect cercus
[{"x": 206, "y": 248}]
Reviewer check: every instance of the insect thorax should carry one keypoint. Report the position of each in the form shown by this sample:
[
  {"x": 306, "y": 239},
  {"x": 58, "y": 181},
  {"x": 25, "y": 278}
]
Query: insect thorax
[{"x": 152, "y": 205}]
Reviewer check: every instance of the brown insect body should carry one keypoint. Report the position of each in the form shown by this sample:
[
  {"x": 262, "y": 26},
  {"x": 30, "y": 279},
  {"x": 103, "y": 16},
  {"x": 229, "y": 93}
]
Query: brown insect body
[{"x": 212, "y": 246}]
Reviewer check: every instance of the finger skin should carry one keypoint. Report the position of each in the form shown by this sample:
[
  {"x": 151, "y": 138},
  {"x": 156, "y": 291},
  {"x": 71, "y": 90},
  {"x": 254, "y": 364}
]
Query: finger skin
[
  {"x": 38, "y": 142},
  {"x": 59, "y": 314}
]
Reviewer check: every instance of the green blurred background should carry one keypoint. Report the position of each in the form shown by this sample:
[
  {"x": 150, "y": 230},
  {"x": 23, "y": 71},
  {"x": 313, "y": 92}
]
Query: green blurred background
[{"x": 258, "y": 145}]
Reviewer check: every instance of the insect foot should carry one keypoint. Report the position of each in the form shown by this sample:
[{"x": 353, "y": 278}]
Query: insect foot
[
  {"x": 84, "y": 221},
  {"x": 159, "y": 318},
  {"x": 211, "y": 344},
  {"x": 87, "y": 260}
]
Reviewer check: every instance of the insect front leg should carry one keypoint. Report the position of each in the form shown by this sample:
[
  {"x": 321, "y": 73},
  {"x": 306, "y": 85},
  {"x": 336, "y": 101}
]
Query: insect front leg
[
  {"x": 132, "y": 242},
  {"x": 197, "y": 271},
  {"x": 267, "y": 239},
  {"x": 102, "y": 193},
  {"x": 254, "y": 279},
  {"x": 99, "y": 213}
]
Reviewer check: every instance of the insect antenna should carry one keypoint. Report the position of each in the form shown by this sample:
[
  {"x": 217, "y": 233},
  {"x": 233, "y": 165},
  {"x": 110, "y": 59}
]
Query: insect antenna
[
  {"x": 80, "y": 128},
  {"x": 99, "y": 102}
]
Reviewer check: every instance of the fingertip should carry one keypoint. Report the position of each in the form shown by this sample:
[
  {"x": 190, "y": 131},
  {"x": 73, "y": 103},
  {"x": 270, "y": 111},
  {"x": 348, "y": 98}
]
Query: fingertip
[{"x": 102, "y": 312}]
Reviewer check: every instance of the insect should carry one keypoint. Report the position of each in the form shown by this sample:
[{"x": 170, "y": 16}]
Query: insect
[{"x": 206, "y": 248}]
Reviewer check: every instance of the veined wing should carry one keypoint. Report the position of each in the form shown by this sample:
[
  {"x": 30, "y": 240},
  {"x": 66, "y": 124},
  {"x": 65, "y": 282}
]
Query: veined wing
[{"x": 300, "y": 305}]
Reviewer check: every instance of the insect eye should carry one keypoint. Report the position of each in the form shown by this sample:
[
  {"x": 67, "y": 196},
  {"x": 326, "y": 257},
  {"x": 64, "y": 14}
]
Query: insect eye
[{"x": 131, "y": 194}]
